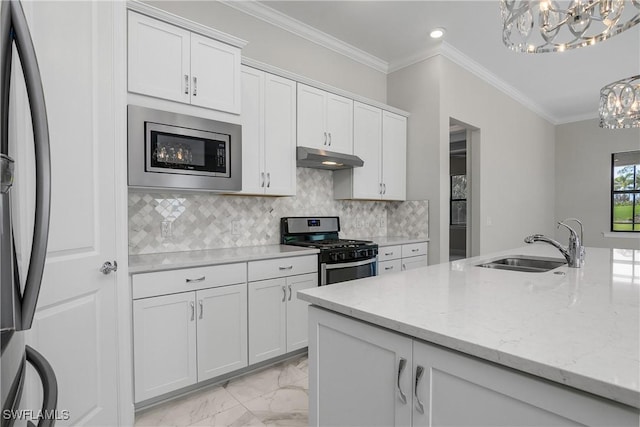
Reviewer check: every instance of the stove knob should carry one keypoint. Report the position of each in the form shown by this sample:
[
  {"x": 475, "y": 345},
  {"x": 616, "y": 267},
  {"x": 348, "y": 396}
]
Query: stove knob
[
  {"x": 333, "y": 256},
  {"x": 342, "y": 256},
  {"x": 353, "y": 254}
]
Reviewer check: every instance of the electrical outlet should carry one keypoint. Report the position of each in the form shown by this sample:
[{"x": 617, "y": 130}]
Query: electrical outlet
[
  {"x": 235, "y": 227},
  {"x": 381, "y": 223}
]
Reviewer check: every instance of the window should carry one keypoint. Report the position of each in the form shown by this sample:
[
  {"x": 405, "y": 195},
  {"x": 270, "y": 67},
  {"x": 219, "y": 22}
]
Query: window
[
  {"x": 625, "y": 191},
  {"x": 458, "y": 199}
]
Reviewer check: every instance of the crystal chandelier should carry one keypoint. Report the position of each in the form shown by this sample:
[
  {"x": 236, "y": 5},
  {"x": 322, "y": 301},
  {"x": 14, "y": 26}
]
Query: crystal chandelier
[
  {"x": 620, "y": 104},
  {"x": 543, "y": 26}
]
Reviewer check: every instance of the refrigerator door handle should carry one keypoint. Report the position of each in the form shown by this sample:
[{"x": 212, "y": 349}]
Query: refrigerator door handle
[
  {"x": 49, "y": 386},
  {"x": 35, "y": 92}
]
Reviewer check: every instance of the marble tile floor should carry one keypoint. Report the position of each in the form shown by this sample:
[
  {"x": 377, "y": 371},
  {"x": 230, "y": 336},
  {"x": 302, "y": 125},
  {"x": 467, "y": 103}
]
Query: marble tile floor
[{"x": 277, "y": 395}]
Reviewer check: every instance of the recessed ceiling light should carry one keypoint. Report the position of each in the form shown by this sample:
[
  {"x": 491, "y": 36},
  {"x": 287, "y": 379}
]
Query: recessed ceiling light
[{"x": 437, "y": 33}]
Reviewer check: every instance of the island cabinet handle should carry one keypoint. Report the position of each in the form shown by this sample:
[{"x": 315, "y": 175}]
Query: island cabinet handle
[
  {"x": 388, "y": 253},
  {"x": 401, "y": 366},
  {"x": 284, "y": 293},
  {"x": 193, "y": 310},
  {"x": 419, "y": 404},
  {"x": 199, "y": 279},
  {"x": 290, "y": 293},
  {"x": 389, "y": 268},
  {"x": 415, "y": 250},
  {"x": 289, "y": 267}
]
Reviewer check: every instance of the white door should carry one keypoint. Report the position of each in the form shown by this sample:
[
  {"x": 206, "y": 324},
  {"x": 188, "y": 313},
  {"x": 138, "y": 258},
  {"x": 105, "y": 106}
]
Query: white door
[
  {"x": 253, "y": 179},
  {"x": 394, "y": 156},
  {"x": 358, "y": 374},
  {"x": 367, "y": 144},
  {"x": 340, "y": 123},
  {"x": 311, "y": 118},
  {"x": 215, "y": 74},
  {"x": 76, "y": 319},
  {"x": 164, "y": 342},
  {"x": 297, "y": 325},
  {"x": 158, "y": 59},
  {"x": 222, "y": 330},
  {"x": 267, "y": 319},
  {"x": 280, "y": 135}
]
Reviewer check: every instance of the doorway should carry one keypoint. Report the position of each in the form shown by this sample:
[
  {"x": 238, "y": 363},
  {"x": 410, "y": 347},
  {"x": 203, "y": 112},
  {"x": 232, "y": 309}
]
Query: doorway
[{"x": 458, "y": 191}]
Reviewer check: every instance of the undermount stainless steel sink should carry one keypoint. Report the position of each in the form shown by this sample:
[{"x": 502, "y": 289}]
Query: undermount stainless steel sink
[{"x": 525, "y": 263}]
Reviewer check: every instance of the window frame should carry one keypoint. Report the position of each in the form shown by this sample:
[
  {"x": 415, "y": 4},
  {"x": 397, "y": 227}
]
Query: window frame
[
  {"x": 452, "y": 200},
  {"x": 634, "y": 193}
]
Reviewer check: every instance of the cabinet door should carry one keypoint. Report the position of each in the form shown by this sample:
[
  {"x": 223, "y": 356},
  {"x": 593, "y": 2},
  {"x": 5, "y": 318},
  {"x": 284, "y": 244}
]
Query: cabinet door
[
  {"x": 215, "y": 74},
  {"x": 358, "y": 374},
  {"x": 394, "y": 156},
  {"x": 164, "y": 342},
  {"x": 297, "y": 325},
  {"x": 391, "y": 266},
  {"x": 339, "y": 123},
  {"x": 267, "y": 319},
  {"x": 459, "y": 390},
  {"x": 367, "y": 144},
  {"x": 253, "y": 179},
  {"x": 311, "y": 118},
  {"x": 414, "y": 262},
  {"x": 222, "y": 330},
  {"x": 280, "y": 135},
  {"x": 158, "y": 58}
]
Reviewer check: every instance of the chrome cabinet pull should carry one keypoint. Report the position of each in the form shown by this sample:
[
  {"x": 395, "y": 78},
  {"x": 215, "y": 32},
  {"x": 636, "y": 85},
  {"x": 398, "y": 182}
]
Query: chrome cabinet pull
[
  {"x": 289, "y": 267},
  {"x": 384, "y": 186},
  {"x": 380, "y": 190},
  {"x": 284, "y": 294},
  {"x": 193, "y": 311},
  {"x": 415, "y": 250},
  {"x": 268, "y": 179},
  {"x": 419, "y": 404},
  {"x": 329, "y": 138},
  {"x": 325, "y": 139},
  {"x": 201, "y": 308},
  {"x": 195, "y": 85},
  {"x": 389, "y": 268},
  {"x": 262, "y": 185},
  {"x": 199, "y": 279},
  {"x": 401, "y": 366},
  {"x": 404, "y": 267},
  {"x": 186, "y": 84},
  {"x": 108, "y": 267},
  {"x": 290, "y": 293},
  {"x": 388, "y": 253}
]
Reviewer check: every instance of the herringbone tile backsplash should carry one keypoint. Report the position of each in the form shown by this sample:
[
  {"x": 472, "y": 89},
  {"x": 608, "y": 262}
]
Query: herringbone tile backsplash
[{"x": 205, "y": 221}]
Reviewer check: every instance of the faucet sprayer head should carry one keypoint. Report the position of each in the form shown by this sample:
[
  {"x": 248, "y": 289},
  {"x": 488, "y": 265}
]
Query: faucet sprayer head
[{"x": 532, "y": 238}]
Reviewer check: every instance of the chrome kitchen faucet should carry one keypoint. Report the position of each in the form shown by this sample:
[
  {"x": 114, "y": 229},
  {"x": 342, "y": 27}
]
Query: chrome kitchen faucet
[{"x": 574, "y": 252}]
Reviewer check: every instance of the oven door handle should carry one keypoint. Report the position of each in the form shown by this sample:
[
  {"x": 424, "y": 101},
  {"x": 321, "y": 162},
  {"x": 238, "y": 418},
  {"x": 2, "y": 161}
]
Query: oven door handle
[{"x": 350, "y": 264}]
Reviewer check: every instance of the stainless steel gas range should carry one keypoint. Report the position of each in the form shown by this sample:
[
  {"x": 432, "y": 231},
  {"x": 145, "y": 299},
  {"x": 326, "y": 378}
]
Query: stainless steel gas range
[{"x": 339, "y": 260}]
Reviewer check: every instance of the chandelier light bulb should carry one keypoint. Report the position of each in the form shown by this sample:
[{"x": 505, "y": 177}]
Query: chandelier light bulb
[{"x": 548, "y": 27}]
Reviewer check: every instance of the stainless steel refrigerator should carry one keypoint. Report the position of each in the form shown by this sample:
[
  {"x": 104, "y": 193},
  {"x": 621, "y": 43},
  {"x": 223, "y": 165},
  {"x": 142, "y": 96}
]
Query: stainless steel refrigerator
[{"x": 19, "y": 290}]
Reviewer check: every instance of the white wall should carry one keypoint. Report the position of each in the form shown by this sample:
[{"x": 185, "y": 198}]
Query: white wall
[
  {"x": 515, "y": 155},
  {"x": 280, "y": 48},
  {"x": 583, "y": 178}
]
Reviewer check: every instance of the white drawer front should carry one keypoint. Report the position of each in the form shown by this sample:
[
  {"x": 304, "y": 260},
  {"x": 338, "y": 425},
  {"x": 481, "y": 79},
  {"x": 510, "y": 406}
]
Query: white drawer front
[
  {"x": 414, "y": 262},
  {"x": 188, "y": 279},
  {"x": 414, "y": 249},
  {"x": 386, "y": 253},
  {"x": 391, "y": 266},
  {"x": 280, "y": 267}
]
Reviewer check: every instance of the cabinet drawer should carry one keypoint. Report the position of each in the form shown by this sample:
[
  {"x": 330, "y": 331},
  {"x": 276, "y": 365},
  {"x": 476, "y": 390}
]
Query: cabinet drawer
[
  {"x": 391, "y": 266},
  {"x": 188, "y": 279},
  {"x": 414, "y": 262},
  {"x": 280, "y": 267},
  {"x": 386, "y": 253},
  {"x": 414, "y": 249}
]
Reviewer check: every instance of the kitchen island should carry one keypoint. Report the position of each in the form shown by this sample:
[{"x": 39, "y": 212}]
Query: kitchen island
[{"x": 459, "y": 344}]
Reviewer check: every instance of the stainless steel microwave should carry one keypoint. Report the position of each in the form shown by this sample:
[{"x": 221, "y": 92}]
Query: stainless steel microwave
[{"x": 169, "y": 150}]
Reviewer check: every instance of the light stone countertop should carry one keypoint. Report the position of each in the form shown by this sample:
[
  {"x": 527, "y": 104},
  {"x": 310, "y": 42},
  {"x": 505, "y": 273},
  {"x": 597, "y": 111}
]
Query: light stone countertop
[
  {"x": 383, "y": 241},
  {"x": 175, "y": 260},
  {"x": 581, "y": 328}
]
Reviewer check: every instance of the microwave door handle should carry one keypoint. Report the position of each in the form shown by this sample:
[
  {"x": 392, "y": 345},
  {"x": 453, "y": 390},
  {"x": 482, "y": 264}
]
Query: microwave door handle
[
  {"x": 49, "y": 385},
  {"x": 35, "y": 92}
]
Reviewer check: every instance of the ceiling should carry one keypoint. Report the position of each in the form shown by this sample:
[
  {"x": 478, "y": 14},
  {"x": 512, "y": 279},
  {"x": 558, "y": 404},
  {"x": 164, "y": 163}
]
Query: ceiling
[{"x": 562, "y": 87}]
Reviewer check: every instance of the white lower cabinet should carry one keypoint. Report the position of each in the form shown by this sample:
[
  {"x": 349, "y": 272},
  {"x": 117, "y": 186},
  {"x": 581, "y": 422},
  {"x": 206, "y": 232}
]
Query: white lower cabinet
[
  {"x": 360, "y": 374},
  {"x": 277, "y": 319},
  {"x": 402, "y": 257}
]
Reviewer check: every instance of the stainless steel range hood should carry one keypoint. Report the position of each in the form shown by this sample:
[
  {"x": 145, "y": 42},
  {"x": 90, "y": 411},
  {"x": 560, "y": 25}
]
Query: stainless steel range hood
[{"x": 322, "y": 159}]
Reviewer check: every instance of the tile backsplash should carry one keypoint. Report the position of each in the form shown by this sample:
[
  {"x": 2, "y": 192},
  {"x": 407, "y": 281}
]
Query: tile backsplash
[{"x": 171, "y": 222}]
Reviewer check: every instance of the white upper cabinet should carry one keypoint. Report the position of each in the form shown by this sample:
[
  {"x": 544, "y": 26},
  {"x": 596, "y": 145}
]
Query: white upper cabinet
[
  {"x": 172, "y": 63},
  {"x": 380, "y": 140},
  {"x": 268, "y": 134},
  {"x": 325, "y": 120}
]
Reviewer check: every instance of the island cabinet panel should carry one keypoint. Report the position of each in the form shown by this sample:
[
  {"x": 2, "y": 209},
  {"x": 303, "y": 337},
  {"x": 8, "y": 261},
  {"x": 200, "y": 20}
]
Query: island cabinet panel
[
  {"x": 354, "y": 379},
  {"x": 361, "y": 376}
]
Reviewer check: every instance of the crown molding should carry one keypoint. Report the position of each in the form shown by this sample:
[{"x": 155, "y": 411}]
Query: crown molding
[
  {"x": 287, "y": 23},
  {"x": 478, "y": 70},
  {"x": 187, "y": 24},
  {"x": 577, "y": 118},
  {"x": 420, "y": 56}
]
